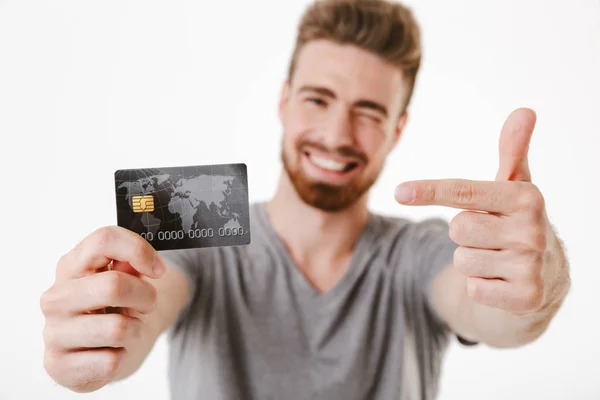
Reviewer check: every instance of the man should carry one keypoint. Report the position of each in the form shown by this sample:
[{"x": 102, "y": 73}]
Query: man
[{"x": 330, "y": 300}]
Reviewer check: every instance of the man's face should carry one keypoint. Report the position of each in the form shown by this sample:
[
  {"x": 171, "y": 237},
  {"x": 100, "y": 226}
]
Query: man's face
[{"x": 341, "y": 118}]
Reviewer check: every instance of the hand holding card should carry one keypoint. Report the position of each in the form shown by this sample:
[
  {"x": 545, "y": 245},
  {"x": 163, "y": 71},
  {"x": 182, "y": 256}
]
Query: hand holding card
[
  {"x": 100, "y": 312},
  {"x": 86, "y": 346}
]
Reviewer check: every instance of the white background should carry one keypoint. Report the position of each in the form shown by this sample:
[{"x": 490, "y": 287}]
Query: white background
[{"x": 88, "y": 87}]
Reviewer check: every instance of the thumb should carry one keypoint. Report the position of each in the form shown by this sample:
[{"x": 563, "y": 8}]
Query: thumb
[{"x": 514, "y": 145}]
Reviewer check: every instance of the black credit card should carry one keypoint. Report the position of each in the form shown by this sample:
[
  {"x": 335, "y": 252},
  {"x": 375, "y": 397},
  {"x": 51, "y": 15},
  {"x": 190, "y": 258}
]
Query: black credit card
[{"x": 176, "y": 208}]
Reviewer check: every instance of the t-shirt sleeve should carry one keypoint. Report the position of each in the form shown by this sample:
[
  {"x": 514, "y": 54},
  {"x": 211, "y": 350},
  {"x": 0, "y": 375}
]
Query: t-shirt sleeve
[
  {"x": 189, "y": 262},
  {"x": 433, "y": 251}
]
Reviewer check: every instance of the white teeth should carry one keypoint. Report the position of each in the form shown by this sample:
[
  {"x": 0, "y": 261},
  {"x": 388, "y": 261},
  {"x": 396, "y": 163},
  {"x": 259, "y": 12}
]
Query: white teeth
[{"x": 327, "y": 164}]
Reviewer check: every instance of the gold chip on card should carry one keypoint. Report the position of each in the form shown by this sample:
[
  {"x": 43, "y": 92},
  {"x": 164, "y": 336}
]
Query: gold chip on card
[{"x": 142, "y": 203}]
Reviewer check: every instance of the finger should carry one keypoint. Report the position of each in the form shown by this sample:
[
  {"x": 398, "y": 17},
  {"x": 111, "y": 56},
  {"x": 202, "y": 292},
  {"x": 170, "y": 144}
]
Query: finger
[
  {"x": 82, "y": 369},
  {"x": 489, "y": 292},
  {"x": 92, "y": 331},
  {"x": 106, "y": 244},
  {"x": 93, "y": 292},
  {"x": 497, "y": 197},
  {"x": 479, "y": 229},
  {"x": 511, "y": 297},
  {"x": 483, "y": 263},
  {"x": 122, "y": 266},
  {"x": 515, "y": 138}
]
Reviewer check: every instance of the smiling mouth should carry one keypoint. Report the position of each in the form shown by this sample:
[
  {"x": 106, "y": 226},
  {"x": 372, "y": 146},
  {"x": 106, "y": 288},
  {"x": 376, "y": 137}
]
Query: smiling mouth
[{"x": 331, "y": 165}]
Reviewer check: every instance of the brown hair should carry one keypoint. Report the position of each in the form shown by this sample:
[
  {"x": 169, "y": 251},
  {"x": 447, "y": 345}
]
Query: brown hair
[{"x": 385, "y": 28}]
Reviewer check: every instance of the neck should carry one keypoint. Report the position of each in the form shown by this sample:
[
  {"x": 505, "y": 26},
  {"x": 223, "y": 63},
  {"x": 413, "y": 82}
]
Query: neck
[{"x": 313, "y": 234}]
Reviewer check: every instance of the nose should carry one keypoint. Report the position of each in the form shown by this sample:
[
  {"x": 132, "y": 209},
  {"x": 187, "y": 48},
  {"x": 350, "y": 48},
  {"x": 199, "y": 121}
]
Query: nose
[{"x": 337, "y": 130}]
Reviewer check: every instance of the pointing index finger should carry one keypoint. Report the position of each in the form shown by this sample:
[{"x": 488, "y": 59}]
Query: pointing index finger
[
  {"x": 105, "y": 245},
  {"x": 458, "y": 193}
]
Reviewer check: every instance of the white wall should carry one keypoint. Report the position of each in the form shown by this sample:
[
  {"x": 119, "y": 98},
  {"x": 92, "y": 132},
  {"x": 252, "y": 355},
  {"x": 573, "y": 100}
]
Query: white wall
[{"x": 81, "y": 82}]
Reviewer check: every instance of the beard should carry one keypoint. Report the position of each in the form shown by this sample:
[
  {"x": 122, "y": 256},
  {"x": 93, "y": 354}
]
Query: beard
[{"x": 320, "y": 195}]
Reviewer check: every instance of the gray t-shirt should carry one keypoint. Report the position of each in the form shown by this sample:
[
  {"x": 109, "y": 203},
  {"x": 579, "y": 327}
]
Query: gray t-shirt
[{"x": 255, "y": 328}]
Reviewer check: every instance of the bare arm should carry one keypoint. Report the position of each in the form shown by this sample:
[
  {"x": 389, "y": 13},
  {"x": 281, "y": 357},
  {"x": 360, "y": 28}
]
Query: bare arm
[{"x": 510, "y": 274}]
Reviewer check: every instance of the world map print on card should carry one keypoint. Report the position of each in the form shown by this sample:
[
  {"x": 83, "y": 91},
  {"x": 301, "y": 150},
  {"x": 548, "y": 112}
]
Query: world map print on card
[{"x": 185, "y": 207}]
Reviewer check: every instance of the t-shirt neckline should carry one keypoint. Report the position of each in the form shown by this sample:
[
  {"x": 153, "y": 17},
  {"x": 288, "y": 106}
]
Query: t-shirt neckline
[{"x": 362, "y": 249}]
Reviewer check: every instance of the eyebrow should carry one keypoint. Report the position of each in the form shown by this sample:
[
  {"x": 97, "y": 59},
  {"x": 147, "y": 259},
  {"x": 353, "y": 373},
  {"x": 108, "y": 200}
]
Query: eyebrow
[{"x": 329, "y": 93}]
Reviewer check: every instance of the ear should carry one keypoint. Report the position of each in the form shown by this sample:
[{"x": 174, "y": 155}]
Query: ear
[
  {"x": 399, "y": 127},
  {"x": 283, "y": 99}
]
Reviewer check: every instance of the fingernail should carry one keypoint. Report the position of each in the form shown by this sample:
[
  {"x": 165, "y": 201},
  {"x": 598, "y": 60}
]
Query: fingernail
[
  {"x": 405, "y": 193},
  {"x": 159, "y": 265}
]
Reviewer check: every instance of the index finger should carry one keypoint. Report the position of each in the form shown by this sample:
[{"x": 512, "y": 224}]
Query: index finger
[
  {"x": 106, "y": 244},
  {"x": 492, "y": 196}
]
